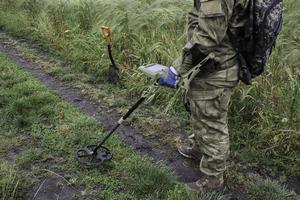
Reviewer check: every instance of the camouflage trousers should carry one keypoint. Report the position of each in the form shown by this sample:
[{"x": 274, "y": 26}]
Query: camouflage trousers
[{"x": 209, "y": 97}]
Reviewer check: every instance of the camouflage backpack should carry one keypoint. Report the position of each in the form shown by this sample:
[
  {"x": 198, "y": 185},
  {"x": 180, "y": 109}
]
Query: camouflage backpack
[{"x": 257, "y": 39}]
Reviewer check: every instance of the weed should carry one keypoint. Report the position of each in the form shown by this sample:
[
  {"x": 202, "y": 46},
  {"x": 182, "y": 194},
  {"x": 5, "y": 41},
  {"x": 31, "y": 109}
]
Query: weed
[
  {"x": 266, "y": 189},
  {"x": 155, "y": 181},
  {"x": 10, "y": 182},
  {"x": 178, "y": 193}
]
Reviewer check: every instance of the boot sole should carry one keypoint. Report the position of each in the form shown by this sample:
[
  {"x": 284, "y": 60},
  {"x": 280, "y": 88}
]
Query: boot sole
[{"x": 188, "y": 156}]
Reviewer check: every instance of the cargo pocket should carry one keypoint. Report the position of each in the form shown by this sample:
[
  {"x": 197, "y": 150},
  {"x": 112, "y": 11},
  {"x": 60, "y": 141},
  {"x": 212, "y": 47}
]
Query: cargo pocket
[
  {"x": 224, "y": 100},
  {"x": 211, "y": 8},
  {"x": 212, "y": 21},
  {"x": 208, "y": 103}
]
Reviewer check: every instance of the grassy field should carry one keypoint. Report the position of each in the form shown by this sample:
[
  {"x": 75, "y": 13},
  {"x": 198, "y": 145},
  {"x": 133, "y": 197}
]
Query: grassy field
[
  {"x": 40, "y": 132},
  {"x": 264, "y": 118},
  {"x": 270, "y": 108},
  {"x": 37, "y": 128}
]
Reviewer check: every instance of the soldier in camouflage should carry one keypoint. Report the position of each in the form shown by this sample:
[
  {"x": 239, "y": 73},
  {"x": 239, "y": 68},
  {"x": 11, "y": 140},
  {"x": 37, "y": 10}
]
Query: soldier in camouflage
[{"x": 210, "y": 91}]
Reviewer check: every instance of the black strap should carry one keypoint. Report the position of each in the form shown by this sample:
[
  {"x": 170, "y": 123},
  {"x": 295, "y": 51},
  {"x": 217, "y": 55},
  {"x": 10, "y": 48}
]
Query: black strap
[
  {"x": 232, "y": 40},
  {"x": 244, "y": 73}
]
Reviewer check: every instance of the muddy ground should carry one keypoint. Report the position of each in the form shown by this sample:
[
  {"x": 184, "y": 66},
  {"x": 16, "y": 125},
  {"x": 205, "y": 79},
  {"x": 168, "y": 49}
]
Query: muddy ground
[{"x": 53, "y": 186}]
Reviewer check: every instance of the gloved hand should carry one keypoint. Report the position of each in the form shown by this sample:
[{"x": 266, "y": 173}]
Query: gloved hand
[{"x": 170, "y": 78}]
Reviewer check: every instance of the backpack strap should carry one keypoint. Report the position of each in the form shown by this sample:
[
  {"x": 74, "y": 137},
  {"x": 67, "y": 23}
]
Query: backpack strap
[
  {"x": 238, "y": 43},
  {"x": 244, "y": 73}
]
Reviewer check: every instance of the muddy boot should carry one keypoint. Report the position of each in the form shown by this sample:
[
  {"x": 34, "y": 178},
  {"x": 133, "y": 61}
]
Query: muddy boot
[
  {"x": 190, "y": 152},
  {"x": 206, "y": 184}
]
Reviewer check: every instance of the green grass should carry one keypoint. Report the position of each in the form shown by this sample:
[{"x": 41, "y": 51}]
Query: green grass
[
  {"x": 11, "y": 182},
  {"x": 264, "y": 117},
  {"x": 40, "y": 132},
  {"x": 261, "y": 189},
  {"x": 37, "y": 128}
]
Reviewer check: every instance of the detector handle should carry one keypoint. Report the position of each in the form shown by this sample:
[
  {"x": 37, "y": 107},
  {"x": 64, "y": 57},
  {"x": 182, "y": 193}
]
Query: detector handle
[{"x": 107, "y": 34}]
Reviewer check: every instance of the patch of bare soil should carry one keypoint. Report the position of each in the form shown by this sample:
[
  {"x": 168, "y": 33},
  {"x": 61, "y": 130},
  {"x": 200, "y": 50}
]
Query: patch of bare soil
[
  {"x": 13, "y": 153},
  {"x": 54, "y": 187},
  {"x": 294, "y": 184}
]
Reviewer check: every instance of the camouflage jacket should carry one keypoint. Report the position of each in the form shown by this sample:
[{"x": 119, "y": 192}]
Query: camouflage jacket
[{"x": 208, "y": 22}]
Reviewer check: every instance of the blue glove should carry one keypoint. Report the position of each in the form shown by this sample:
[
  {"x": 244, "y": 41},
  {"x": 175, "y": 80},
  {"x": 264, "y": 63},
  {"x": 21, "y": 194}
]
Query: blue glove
[{"x": 170, "y": 79}]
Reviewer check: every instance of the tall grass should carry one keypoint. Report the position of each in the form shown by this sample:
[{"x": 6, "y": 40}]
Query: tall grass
[
  {"x": 10, "y": 182},
  {"x": 269, "y": 110},
  {"x": 265, "y": 116}
]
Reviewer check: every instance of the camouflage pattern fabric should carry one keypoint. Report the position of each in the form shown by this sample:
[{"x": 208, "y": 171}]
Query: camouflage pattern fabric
[
  {"x": 209, "y": 98},
  {"x": 208, "y": 22},
  {"x": 210, "y": 93}
]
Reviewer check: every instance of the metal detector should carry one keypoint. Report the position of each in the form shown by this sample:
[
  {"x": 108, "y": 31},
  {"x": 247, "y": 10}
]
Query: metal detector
[{"x": 96, "y": 155}]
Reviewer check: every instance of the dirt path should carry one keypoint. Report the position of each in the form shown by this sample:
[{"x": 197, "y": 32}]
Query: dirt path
[{"x": 166, "y": 153}]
